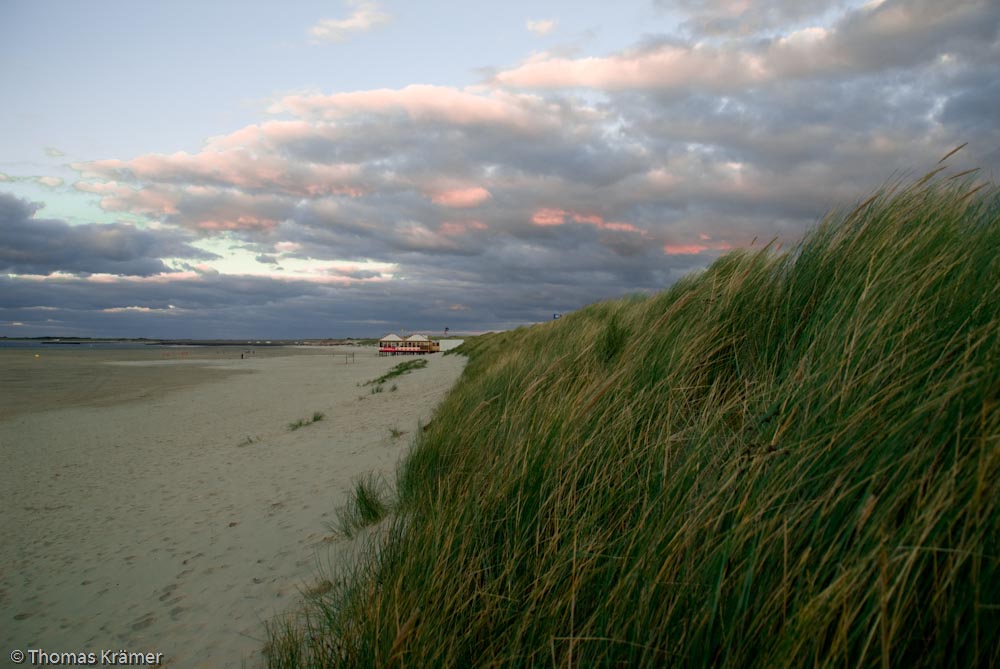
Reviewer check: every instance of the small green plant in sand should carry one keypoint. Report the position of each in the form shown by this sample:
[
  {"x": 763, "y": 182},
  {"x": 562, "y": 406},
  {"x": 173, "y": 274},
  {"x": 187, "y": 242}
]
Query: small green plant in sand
[
  {"x": 396, "y": 433},
  {"x": 302, "y": 422}
]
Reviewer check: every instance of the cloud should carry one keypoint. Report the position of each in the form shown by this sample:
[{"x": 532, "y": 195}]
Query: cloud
[
  {"x": 234, "y": 307},
  {"x": 354, "y": 150},
  {"x": 452, "y": 228},
  {"x": 740, "y": 18},
  {"x": 53, "y": 152},
  {"x": 202, "y": 208},
  {"x": 552, "y": 217},
  {"x": 379, "y": 209},
  {"x": 462, "y": 198},
  {"x": 40, "y": 246},
  {"x": 365, "y": 16},
  {"x": 893, "y": 34},
  {"x": 663, "y": 66},
  {"x": 424, "y": 103},
  {"x": 235, "y": 168},
  {"x": 540, "y": 26},
  {"x": 47, "y": 181}
]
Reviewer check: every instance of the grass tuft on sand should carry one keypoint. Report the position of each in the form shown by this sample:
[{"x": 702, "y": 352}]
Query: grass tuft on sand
[
  {"x": 302, "y": 422},
  {"x": 398, "y": 370},
  {"x": 790, "y": 459},
  {"x": 368, "y": 505}
]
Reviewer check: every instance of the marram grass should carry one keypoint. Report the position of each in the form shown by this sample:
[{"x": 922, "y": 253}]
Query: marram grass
[
  {"x": 791, "y": 459},
  {"x": 365, "y": 507}
]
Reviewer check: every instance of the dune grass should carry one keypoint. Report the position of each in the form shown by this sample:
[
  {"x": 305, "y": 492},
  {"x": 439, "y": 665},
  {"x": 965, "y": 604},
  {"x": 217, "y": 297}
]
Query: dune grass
[
  {"x": 368, "y": 505},
  {"x": 302, "y": 422},
  {"x": 790, "y": 459},
  {"x": 398, "y": 370}
]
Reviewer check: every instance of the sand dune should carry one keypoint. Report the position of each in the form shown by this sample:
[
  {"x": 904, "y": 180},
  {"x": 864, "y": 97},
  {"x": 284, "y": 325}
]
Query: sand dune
[{"x": 147, "y": 526}]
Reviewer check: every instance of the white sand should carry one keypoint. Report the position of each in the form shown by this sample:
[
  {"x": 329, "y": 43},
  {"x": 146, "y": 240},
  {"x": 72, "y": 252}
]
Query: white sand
[{"x": 145, "y": 526}]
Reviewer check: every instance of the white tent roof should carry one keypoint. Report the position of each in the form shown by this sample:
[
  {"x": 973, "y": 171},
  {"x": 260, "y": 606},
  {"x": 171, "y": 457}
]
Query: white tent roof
[
  {"x": 417, "y": 337},
  {"x": 391, "y": 337}
]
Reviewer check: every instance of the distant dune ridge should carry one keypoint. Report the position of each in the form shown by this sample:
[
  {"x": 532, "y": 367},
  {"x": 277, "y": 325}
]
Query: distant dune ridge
[{"x": 791, "y": 459}]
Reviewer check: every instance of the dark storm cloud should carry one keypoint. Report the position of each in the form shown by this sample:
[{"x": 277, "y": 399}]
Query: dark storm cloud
[
  {"x": 33, "y": 245},
  {"x": 222, "y": 306},
  {"x": 972, "y": 103}
]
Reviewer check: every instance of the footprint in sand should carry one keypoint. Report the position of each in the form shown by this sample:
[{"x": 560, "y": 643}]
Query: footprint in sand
[{"x": 143, "y": 622}]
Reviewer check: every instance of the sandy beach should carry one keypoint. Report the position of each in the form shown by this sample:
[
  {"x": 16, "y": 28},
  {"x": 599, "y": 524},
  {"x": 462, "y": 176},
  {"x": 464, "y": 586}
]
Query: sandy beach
[{"x": 175, "y": 511}]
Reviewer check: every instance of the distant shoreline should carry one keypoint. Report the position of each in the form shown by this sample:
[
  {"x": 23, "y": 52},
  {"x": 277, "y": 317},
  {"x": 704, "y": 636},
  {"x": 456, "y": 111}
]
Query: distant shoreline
[{"x": 31, "y": 342}]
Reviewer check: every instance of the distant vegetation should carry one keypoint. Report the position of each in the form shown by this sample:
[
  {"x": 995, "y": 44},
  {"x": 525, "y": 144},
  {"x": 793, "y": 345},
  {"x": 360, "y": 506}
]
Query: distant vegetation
[
  {"x": 788, "y": 460},
  {"x": 398, "y": 370}
]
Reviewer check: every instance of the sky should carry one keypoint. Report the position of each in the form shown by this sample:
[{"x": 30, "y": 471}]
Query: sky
[{"x": 192, "y": 169}]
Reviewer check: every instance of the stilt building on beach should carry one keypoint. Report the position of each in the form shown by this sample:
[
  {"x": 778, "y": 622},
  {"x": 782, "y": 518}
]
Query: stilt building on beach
[{"x": 416, "y": 344}]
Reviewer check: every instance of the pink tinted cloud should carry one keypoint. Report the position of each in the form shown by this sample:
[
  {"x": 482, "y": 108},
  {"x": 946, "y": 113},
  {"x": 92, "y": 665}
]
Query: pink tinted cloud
[
  {"x": 103, "y": 278},
  {"x": 453, "y": 228},
  {"x": 621, "y": 227},
  {"x": 150, "y": 201},
  {"x": 872, "y": 37},
  {"x": 237, "y": 167},
  {"x": 551, "y": 217},
  {"x": 462, "y": 198},
  {"x": 695, "y": 249},
  {"x": 203, "y": 208},
  {"x": 269, "y": 135},
  {"x": 236, "y": 223},
  {"x": 683, "y": 249},
  {"x": 667, "y": 66},
  {"x": 427, "y": 103}
]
